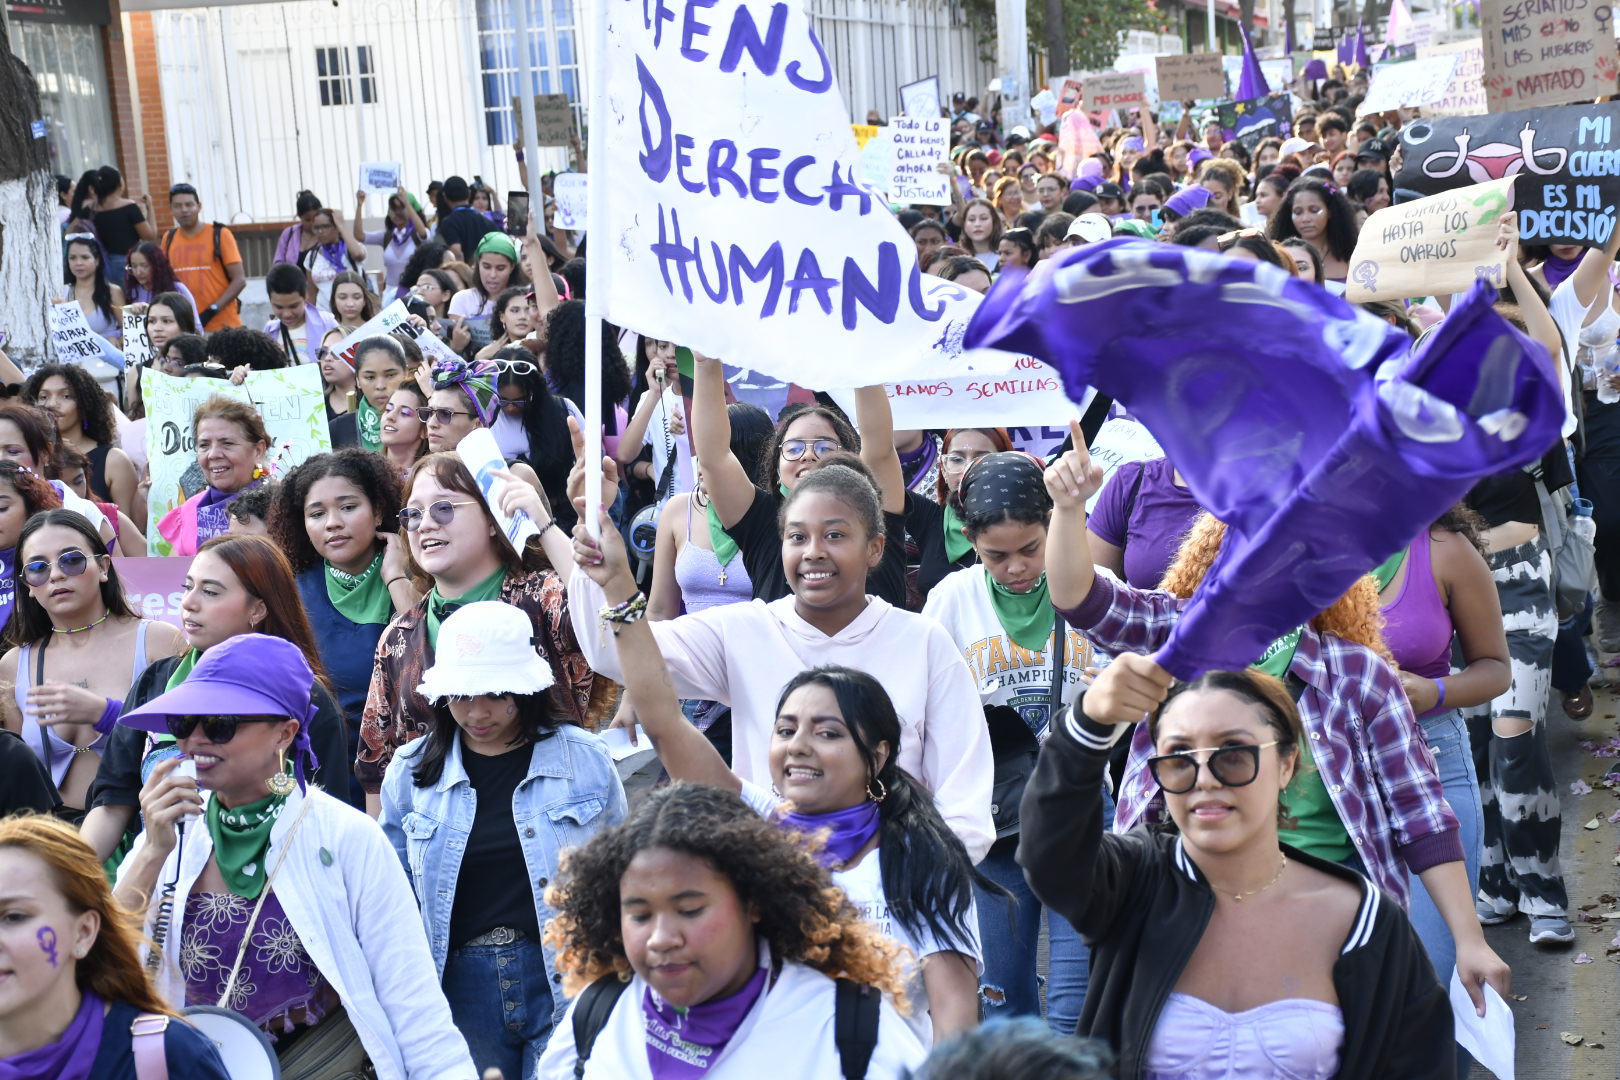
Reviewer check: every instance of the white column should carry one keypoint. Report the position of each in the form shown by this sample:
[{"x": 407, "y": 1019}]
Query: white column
[{"x": 1012, "y": 59}]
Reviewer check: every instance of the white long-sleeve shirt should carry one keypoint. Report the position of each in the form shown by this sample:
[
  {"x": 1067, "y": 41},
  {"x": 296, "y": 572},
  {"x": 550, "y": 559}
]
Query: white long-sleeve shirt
[{"x": 743, "y": 654}]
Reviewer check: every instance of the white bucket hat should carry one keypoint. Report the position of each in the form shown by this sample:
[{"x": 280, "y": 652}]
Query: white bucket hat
[{"x": 485, "y": 648}]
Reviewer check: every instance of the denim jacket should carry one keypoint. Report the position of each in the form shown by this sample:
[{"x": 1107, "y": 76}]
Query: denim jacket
[{"x": 571, "y": 793}]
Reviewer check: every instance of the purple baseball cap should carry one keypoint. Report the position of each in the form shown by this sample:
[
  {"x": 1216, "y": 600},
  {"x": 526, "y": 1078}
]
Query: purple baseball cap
[
  {"x": 1197, "y": 155},
  {"x": 1187, "y": 200}
]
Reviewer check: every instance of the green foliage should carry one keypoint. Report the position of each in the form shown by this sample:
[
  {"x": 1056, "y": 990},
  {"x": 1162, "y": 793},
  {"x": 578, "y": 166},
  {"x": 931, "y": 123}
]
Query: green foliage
[{"x": 1093, "y": 27}]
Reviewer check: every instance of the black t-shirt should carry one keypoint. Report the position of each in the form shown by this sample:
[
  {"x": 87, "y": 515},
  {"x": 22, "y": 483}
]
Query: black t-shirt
[
  {"x": 1510, "y": 496},
  {"x": 116, "y": 228},
  {"x": 465, "y": 226},
  {"x": 925, "y": 522},
  {"x": 25, "y": 783},
  {"x": 760, "y": 542},
  {"x": 190, "y": 1054},
  {"x": 493, "y": 888}
]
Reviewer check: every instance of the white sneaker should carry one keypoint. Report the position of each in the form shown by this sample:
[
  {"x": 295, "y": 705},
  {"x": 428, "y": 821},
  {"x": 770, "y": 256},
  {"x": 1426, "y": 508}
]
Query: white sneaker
[{"x": 1551, "y": 930}]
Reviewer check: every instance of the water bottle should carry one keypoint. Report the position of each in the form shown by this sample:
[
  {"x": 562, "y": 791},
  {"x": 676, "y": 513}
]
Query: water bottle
[{"x": 1608, "y": 374}]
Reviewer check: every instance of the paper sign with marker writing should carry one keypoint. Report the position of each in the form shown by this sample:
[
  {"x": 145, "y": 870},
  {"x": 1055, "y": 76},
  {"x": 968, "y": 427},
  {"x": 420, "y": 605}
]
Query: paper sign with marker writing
[
  {"x": 553, "y": 117},
  {"x": 1068, "y": 95},
  {"x": 1121, "y": 90},
  {"x": 1408, "y": 84},
  {"x": 1029, "y": 396},
  {"x": 1465, "y": 94},
  {"x": 1546, "y": 53},
  {"x": 137, "y": 346},
  {"x": 379, "y": 325},
  {"x": 916, "y": 147},
  {"x": 1432, "y": 247},
  {"x": 1190, "y": 76},
  {"x": 478, "y": 451},
  {"x": 380, "y": 175},
  {"x": 572, "y": 192},
  {"x": 921, "y": 98},
  {"x": 71, "y": 335}
]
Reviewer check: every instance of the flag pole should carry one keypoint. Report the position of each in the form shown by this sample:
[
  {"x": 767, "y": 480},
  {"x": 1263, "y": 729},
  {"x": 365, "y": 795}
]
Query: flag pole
[{"x": 596, "y": 267}]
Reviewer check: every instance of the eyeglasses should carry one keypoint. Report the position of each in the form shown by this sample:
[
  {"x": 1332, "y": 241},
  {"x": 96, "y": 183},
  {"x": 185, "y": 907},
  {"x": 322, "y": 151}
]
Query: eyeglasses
[
  {"x": 442, "y": 512},
  {"x": 956, "y": 459},
  {"x": 513, "y": 402},
  {"x": 516, "y": 367},
  {"x": 73, "y": 562},
  {"x": 443, "y": 416},
  {"x": 1231, "y": 766},
  {"x": 1227, "y": 240},
  {"x": 216, "y": 729},
  {"x": 794, "y": 449},
  {"x": 403, "y": 410}
]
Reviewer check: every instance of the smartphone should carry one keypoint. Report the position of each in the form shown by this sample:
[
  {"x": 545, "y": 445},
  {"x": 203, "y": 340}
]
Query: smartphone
[{"x": 517, "y": 213}]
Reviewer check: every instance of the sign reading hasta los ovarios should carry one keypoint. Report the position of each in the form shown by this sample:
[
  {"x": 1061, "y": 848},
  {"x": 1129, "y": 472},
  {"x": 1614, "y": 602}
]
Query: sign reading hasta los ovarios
[
  {"x": 1433, "y": 246},
  {"x": 740, "y": 222},
  {"x": 1569, "y": 159}
]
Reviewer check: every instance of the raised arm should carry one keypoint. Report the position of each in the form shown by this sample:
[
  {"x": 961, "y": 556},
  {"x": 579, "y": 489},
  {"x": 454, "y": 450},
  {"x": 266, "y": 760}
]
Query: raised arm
[
  {"x": 729, "y": 485},
  {"x": 1537, "y": 319},
  {"x": 875, "y": 421},
  {"x": 1592, "y": 275},
  {"x": 539, "y": 271},
  {"x": 359, "y": 216},
  {"x": 1070, "y": 480},
  {"x": 418, "y": 226}
]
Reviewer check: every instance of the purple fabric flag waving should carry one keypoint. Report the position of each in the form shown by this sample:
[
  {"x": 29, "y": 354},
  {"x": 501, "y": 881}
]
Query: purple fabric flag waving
[
  {"x": 1251, "y": 80},
  {"x": 1300, "y": 421}
]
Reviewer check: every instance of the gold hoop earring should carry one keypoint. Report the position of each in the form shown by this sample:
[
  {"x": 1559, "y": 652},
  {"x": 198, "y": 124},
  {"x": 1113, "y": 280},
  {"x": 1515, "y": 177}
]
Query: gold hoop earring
[
  {"x": 281, "y": 781},
  {"x": 882, "y": 792}
]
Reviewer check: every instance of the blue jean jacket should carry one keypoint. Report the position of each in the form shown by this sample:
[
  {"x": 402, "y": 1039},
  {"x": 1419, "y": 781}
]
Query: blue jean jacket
[{"x": 571, "y": 793}]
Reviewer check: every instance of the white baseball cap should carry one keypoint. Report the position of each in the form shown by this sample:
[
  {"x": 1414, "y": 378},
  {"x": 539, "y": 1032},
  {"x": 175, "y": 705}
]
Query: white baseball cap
[
  {"x": 485, "y": 648},
  {"x": 1090, "y": 228}
]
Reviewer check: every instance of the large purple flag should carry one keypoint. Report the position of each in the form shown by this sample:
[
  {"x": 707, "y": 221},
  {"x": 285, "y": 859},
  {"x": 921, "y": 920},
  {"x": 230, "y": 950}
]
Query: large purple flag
[
  {"x": 1251, "y": 80},
  {"x": 1301, "y": 421}
]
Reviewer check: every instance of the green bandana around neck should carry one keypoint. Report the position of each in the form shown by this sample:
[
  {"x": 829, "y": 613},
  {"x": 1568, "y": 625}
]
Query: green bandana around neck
[
  {"x": 188, "y": 660},
  {"x": 725, "y": 548},
  {"x": 782, "y": 489},
  {"x": 1026, "y": 617},
  {"x": 1385, "y": 572},
  {"x": 368, "y": 425},
  {"x": 956, "y": 542},
  {"x": 440, "y": 607},
  {"x": 361, "y": 598},
  {"x": 241, "y": 840},
  {"x": 1279, "y": 654}
]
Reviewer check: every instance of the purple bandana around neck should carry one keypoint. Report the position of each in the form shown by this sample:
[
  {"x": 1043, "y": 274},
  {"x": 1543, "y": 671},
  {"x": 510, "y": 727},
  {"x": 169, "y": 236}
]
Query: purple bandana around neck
[
  {"x": 683, "y": 1044},
  {"x": 916, "y": 463},
  {"x": 847, "y": 830},
  {"x": 71, "y": 1056},
  {"x": 1305, "y": 424},
  {"x": 8, "y": 584},
  {"x": 212, "y": 517},
  {"x": 1555, "y": 270},
  {"x": 337, "y": 254}
]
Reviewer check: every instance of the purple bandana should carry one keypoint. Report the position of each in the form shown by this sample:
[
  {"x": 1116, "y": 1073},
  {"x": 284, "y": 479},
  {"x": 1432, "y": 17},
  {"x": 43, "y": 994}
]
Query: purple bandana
[
  {"x": 337, "y": 254},
  {"x": 68, "y": 1058},
  {"x": 1555, "y": 270},
  {"x": 683, "y": 1043},
  {"x": 1302, "y": 422},
  {"x": 212, "y": 518},
  {"x": 847, "y": 831},
  {"x": 8, "y": 584}
]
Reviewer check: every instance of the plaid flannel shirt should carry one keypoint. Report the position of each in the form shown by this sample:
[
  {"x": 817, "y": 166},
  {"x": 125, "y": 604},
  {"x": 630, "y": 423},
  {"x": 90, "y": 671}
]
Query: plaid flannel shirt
[{"x": 1366, "y": 743}]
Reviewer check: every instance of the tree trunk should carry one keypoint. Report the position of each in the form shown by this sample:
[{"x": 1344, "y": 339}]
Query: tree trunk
[
  {"x": 1057, "y": 40},
  {"x": 30, "y": 248}
]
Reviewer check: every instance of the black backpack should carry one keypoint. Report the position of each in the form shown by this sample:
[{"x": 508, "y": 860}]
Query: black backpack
[
  {"x": 855, "y": 1022},
  {"x": 168, "y": 238}
]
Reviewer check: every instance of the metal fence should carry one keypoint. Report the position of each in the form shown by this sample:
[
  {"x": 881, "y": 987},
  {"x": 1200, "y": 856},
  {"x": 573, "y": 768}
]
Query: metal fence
[{"x": 878, "y": 45}]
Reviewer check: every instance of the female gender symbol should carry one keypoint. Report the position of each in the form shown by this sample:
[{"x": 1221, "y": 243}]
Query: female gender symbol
[{"x": 47, "y": 943}]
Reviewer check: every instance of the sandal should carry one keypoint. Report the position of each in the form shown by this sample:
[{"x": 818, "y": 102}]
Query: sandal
[{"x": 1578, "y": 706}]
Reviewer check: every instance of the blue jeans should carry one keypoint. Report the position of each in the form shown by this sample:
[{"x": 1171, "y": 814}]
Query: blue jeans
[
  {"x": 1010, "y": 938},
  {"x": 500, "y": 999}
]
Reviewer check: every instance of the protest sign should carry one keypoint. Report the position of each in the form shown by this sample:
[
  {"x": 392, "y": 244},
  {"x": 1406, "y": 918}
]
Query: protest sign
[
  {"x": 1433, "y": 246},
  {"x": 379, "y": 325},
  {"x": 1465, "y": 94},
  {"x": 1248, "y": 122},
  {"x": 1121, "y": 90},
  {"x": 1120, "y": 440},
  {"x": 572, "y": 192},
  {"x": 917, "y": 146},
  {"x": 483, "y": 459},
  {"x": 1569, "y": 154},
  {"x": 137, "y": 346},
  {"x": 921, "y": 98},
  {"x": 380, "y": 175},
  {"x": 1408, "y": 84},
  {"x": 863, "y": 132},
  {"x": 434, "y": 351},
  {"x": 876, "y": 159},
  {"x": 1190, "y": 76},
  {"x": 746, "y": 230},
  {"x": 71, "y": 336},
  {"x": 1546, "y": 53},
  {"x": 1325, "y": 39},
  {"x": 1029, "y": 396},
  {"x": 1068, "y": 95},
  {"x": 553, "y": 119},
  {"x": 153, "y": 586},
  {"x": 291, "y": 401}
]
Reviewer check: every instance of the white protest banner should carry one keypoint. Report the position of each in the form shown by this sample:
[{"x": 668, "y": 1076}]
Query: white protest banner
[
  {"x": 1546, "y": 52},
  {"x": 740, "y": 226},
  {"x": 553, "y": 119},
  {"x": 380, "y": 175},
  {"x": 1029, "y": 397},
  {"x": 917, "y": 146},
  {"x": 482, "y": 457},
  {"x": 1190, "y": 76},
  {"x": 571, "y": 190},
  {"x": 137, "y": 346},
  {"x": 1119, "y": 90},
  {"x": 1465, "y": 95},
  {"x": 379, "y": 325},
  {"x": 1408, "y": 84},
  {"x": 291, "y": 401},
  {"x": 1119, "y": 441},
  {"x": 1433, "y": 246},
  {"x": 921, "y": 98},
  {"x": 71, "y": 337}
]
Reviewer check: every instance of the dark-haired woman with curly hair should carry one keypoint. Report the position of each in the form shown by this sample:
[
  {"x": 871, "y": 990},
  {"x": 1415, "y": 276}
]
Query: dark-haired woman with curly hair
[
  {"x": 729, "y": 937},
  {"x": 1318, "y": 213},
  {"x": 84, "y": 416}
]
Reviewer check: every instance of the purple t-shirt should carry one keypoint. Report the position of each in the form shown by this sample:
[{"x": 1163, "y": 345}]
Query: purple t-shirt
[{"x": 1150, "y": 528}]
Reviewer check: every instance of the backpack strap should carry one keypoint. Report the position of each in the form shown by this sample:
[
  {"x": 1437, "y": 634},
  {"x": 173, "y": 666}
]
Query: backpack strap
[
  {"x": 168, "y": 240},
  {"x": 146, "y": 1041},
  {"x": 855, "y": 1026},
  {"x": 596, "y": 1004},
  {"x": 218, "y": 228}
]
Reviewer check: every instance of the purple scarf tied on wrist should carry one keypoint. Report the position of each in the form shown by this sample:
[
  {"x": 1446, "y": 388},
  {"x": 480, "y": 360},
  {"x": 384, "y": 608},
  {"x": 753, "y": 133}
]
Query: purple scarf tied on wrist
[
  {"x": 71, "y": 1056},
  {"x": 683, "y": 1043},
  {"x": 1311, "y": 428},
  {"x": 847, "y": 831}
]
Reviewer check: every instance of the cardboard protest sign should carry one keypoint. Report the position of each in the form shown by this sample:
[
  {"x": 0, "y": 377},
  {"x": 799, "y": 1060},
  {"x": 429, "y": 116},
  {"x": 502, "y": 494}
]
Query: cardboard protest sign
[
  {"x": 1118, "y": 441},
  {"x": 1190, "y": 76},
  {"x": 71, "y": 337},
  {"x": 1432, "y": 246},
  {"x": 572, "y": 192},
  {"x": 291, "y": 401},
  {"x": 740, "y": 222},
  {"x": 1068, "y": 95},
  {"x": 1543, "y": 52},
  {"x": 483, "y": 458},
  {"x": 1408, "y": 84},
  {"x": 379, "y": 325},
  {"x": 1248, "y": 122},
  {"x": 921, "y": 98},
  {"x": 917, "y": 146},
  {"x": 1121, "y": 90},
  {"x": 1465, "y": 94},
  {"x": 137, "y": 346},
  {"x": 1570, "y": 155},
  {"x": 380, "y": 175},
  {"x": 553, "y": 119}
]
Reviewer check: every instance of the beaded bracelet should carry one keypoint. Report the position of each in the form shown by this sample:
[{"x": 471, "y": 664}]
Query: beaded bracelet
[{"x": 632, "y": 610}]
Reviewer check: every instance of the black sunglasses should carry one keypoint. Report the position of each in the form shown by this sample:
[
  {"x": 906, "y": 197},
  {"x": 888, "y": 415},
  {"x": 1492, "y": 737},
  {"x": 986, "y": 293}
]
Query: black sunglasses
[
  {"x": 443, "y": 416},
  {"x": 73, "y": 563},
  {"x": 216, "y": 729},
  {"x": 1231, "y": 766}
]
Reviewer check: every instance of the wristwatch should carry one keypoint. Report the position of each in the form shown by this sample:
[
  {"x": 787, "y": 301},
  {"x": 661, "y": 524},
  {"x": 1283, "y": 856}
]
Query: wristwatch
[{"x": 208, "y": 314}]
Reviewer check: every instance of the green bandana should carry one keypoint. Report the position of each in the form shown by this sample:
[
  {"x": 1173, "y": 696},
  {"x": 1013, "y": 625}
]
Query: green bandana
[
  {"x": 368, "y": 423},
  {"x": 1385, "y": 572},
  {"x": 361, "y": 598},
  {"x": 956, "y": 542},
  {"x": 183, "y": 668},
  {"x": 1026, "y": 617},
  {"x": 725, "y": 548},
  {"x": 1279, "y": 654},
  {"x": 782, "y": 490},
  {"x": 440, "y": 607},
  {"x": 241, "y": 839}
]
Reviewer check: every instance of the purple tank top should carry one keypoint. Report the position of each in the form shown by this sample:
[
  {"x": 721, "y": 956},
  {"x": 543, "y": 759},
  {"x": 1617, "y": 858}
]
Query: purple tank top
[
  {"x": 1417, "y": 626},
  {"x": 704, "y": 582}
]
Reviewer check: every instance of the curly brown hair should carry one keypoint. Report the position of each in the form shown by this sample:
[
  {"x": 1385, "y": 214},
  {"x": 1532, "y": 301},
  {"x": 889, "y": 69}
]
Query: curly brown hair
[
  {"x": 802, "y": 915},
  {"x": 1355, "y": 616}
]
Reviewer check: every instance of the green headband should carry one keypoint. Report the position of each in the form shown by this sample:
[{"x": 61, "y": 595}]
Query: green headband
[{"x": 497, "y": 243}]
